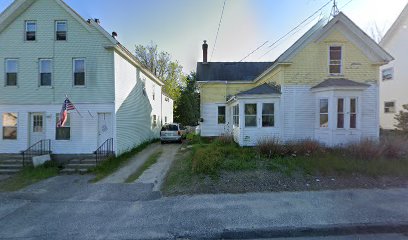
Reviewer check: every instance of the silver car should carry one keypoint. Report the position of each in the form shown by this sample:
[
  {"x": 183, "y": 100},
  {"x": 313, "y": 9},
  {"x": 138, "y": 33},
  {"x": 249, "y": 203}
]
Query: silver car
[{"x": 172, "y": 132}]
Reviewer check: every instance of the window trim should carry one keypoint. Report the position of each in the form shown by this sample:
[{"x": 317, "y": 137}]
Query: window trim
[
  {"x": 3, "y": 126},
  {"x": 57, "y": 115},
  {"x": 235, "y": 115},
  {"x": 343, "y": 113},
  {"x": 392, "y": 74},
  {"x": 273, "y": 115},
  {"x": 256, "y": 115},
  {"x": 26, "y": 22},
  {"x": 39, "y": 71},
  {"x": 66, "y": 31},
  {"x": 73, "y": 72},
  {"x": 5, "y": 71},
  {"x": 320, "y": 113},
  {"x": 395, "y": 109},
  {"x": 341, "y": 60},
  {"x": 355, "y": 113},
  {"x": 218, "y": 114}
]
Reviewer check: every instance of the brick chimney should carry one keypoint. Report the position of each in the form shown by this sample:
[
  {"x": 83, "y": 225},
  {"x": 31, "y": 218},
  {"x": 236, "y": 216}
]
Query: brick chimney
[{"x": 205, "y": 51}]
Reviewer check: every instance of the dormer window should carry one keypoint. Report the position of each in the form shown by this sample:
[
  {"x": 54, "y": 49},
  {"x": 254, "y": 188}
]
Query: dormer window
[
  {"x": 387, "y": 74},
  {"x": 61, "y": 30},
  {"x": 335, "y": 57},
  {"x": 30, "y": 30}
]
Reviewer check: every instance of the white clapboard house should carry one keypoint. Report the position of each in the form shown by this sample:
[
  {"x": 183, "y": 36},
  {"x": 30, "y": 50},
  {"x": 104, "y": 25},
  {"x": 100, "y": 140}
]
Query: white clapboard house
[{"x": 49, "y": 52}]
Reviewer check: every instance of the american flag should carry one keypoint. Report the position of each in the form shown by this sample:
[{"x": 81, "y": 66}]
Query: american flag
[{"x": 66, "y": 106}]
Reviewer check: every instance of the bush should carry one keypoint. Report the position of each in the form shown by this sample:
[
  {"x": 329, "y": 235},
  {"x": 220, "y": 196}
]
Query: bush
[
  {"x": 206, "y": 160},
  {"x": 402, "y": 119},
  {"x": 193, "y": 138},
  {"x": 303, "y": 147},
  {"x": 225, "y": 139},
  {"x": 366, "y": 149},
  {"x": 395, "y": 147},
  {"x": 270, "y": 147}
]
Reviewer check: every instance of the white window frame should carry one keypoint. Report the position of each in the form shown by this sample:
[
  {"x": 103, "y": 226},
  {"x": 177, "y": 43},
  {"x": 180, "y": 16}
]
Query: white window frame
[
  {"x": 6, "y": 71},
  {"x": 320, "y": 113},
  {"x": 356, "y": 112},
  {"x": 391, "y": 69},
  {"x": 394, "y": 108},
  {"x": 235, "y": 115},
  {"x": 26, "y": 30},
  {"x": 273, "y": 114},
  {"x": 67, "y": 125},
  {"x": 342, "y": 112},
  {"x": 218, "y": 114},
  {"x": 40, "y": 71},
  {"x": 73, "y": 72},
  {"x": 56, "y": 29},
  {"x": 6, "y": 126},
  {"x": 341, "y": 60},
  {"x": 256, "y": 115}
]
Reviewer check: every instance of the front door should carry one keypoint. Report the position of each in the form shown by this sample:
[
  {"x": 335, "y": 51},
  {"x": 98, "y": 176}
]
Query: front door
[
  {"x": 37, "y": 128},
  {"x": 105, "y": 128}
]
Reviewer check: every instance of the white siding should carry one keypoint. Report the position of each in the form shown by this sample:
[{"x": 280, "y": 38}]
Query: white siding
[
  {"x": 167, "y": 109},
  {"x": 210, "y": 126},
  {"x": 84, "y": 128},
  {"x": 134, "y": 106}
]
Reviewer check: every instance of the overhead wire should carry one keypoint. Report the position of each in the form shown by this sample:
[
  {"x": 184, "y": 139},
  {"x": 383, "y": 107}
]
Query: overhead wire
[{"x": 218, "y": 30}]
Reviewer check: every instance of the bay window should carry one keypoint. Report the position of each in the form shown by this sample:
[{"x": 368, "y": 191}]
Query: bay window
[
  {"x": 268, "y": 115},
  {"x": 235, "y": 115},
  {"x": 324, "y": 113},
  {"x": 250, "y": 115}
]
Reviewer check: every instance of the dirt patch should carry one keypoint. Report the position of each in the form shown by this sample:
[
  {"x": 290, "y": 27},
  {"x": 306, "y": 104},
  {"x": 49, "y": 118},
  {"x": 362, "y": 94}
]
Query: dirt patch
[{"x": 268, "y": 181}]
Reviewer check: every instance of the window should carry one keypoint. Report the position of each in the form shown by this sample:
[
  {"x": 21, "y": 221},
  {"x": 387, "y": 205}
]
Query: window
[
  {"x": 11, "y": 72},
  {"x": 79, "y": 72},
  {"x": 30, "y": 30},
  {"x": 389, "y": 107},
  {"x": 10, "y": 126},
  {"x": 340, "y": 113},
  {"x": 268, "y": 118},
  {"x": 235, "y": 115},
  {"x": 250, "y": 115},
  {"x": 387, "y": 74},
  {"x": 63, "y": 133},
  {"x": 38, "y": 123},
  {"x": 154, "y": 121},
  {"x": 61, "y": 30},
  {"x": 45, "y": 72},
  {"x": 335, "y": 60},
  {"x": 324, "y": 113},
  {"x": 221, "y": 114},
  {"x": 165, "y": 120},
  {"x": 353, "y": 113}
]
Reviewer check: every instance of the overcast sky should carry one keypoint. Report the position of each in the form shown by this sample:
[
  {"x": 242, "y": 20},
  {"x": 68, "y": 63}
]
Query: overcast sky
[{"x": 180, "y": 26}]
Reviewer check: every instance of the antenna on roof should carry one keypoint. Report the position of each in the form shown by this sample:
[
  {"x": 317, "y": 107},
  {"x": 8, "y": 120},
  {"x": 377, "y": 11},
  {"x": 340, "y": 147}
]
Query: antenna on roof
[{"x": 335, "y": 9}]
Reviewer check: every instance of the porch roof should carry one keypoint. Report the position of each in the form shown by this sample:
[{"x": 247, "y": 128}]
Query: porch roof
[
  {"x": 261, "y": 89},
  {"x": 339, "y": 82}
]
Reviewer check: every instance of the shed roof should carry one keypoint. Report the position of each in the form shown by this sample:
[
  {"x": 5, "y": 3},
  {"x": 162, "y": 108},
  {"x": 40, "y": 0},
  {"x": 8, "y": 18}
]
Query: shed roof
[
  {"x": 261, "y": 89},
  {"x": 339, "y": 82}
]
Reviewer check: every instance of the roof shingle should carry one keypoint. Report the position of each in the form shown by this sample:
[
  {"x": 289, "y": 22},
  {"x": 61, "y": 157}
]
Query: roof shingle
[{"x": 230, "y": 71}]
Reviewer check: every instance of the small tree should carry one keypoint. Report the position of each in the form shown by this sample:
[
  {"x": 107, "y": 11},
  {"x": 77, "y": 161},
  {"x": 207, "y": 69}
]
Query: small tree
[{"x": 402, "y": 119}]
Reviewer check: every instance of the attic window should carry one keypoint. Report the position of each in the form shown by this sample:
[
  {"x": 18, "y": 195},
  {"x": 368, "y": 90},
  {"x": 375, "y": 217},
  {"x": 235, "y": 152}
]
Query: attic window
[
  {"x": 61, "y": 30},
  {"x": 335, "y": 56},
  {"x": 30, "y": 30},
  {"x": 387, "y": 74}
]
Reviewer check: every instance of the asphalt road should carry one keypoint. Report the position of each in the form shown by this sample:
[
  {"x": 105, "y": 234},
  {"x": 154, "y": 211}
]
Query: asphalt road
[{"x": 68, "y": 207}]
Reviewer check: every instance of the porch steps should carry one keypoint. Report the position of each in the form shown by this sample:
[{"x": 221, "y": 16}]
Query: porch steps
[
  {"x": 10, "y": 163},
  {"x": 80, "y": 166}
]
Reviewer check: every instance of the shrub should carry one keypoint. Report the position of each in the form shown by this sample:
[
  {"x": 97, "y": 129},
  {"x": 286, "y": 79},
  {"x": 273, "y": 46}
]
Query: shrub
[
  {"x": 225, "y": 139},
  {"x": 402, "y": 119},
  {"x": 193, "y": 138},
  {"x": 395, "y": 147},
  {"x": 270, "y": 147},
  {"x": 366, "y": 149},
  {"x": 302, "y": 147},
  {"x": 206, "y": 160}
]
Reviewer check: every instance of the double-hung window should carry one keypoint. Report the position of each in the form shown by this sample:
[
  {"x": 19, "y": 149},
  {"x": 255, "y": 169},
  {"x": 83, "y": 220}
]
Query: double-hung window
[
  {"x": 335, "y": 59},
  {"x": 324, "y": 113},
  {"x": 221, "y": 114},
  {"x": 340, "y": 113},
  {"x": 61, "y": 30},
  {"x": 250, "y": 115},
  {"x": 63, "y": 133},
  {"x": 268, "y": 115},
  {"x": 45, "y": 66},
  {"x": 154, "y": 122},
  {"x": 30, "y": 30},
  {"x": 11, "y": 72},
  {"x": 389, "y": 107},
  {"x": 353, "y": 112},
  {"x": 79, "y": 72},
  {"x": 10, "y": 126},
  {"x": 387, "y": 74},
  {"x": 235, "y": 115}
]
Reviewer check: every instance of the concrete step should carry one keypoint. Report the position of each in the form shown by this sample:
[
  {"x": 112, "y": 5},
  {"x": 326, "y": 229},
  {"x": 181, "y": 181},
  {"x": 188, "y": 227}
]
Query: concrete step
[
  {"x": 8, "y": 171},
  {"x": 73, "y": 171},
  {"x": 10, "y": 166},
  {"x": 82, "y": 161},
  {"x": 80, "y": 165},
  {"x": 11, "y": 157},
  {"x": 11, "y": 161}
]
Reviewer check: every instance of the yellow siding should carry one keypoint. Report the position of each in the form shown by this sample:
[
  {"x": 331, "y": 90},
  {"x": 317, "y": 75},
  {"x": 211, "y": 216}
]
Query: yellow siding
[{"x": 308, "y": 67}]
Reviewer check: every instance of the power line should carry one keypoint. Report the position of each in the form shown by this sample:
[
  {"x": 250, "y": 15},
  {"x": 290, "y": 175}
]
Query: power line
[
  {"x": 346, "y": 4},
  {"x": 254, "y": 51},
  {"x": 293, "y": 29},
  {"x": 219, "y": 25}
]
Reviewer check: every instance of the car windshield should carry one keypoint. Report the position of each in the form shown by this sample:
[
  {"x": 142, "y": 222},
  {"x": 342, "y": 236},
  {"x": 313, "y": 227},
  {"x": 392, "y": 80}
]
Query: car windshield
[{"x": 170, "y": 128}]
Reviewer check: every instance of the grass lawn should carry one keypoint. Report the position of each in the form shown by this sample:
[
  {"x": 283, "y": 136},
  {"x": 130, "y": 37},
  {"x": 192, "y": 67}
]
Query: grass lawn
[
  {"x": 150, "y": 161},
  {"x": 223, "y": 166},
  {"x": 28, "y": 176},
  {"x": 109, "y": 166}
]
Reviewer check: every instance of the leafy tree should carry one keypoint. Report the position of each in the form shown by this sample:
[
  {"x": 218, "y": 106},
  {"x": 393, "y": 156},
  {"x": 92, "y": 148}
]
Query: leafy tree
[
  {"x": 187, "y": 106},
  {"x": 161, "y": 65},
  {"x": 402, "y": 119}
]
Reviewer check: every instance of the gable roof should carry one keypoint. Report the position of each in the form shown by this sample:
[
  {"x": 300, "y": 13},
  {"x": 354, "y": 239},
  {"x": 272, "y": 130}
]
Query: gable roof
[
  {"x": 395, "y": 26},
  {"x": 261, "y": 89},
  {"x": 339, "y": 82},
  {"x": 319, "y": 30},
  {"x": 230, "y": 71},
  {"x": 20, "y": 6}
]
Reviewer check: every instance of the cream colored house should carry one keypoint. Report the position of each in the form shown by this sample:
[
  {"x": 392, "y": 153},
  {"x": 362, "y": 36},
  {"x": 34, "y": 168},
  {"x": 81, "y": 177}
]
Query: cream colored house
[
  {"x": 394, "y": 75},
  {"x": 324, "y": 87},
  {"x": 48, "y": 51}
]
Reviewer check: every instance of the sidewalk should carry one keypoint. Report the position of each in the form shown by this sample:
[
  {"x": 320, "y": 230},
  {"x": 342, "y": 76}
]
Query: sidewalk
[{"x": 251, "y": 215}]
